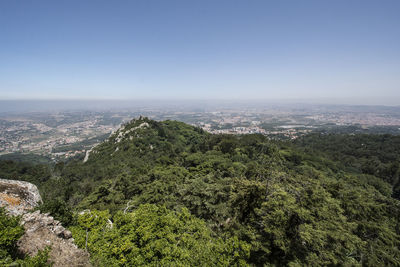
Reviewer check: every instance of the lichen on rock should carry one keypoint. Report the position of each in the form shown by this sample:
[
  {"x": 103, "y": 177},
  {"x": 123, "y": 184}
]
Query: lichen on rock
[{"x": 18, "y": 197}]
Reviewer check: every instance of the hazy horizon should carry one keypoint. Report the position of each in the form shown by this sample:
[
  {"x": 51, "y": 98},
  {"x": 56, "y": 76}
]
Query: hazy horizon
[
  {"x": 382, "y": 101},
  {"x": 55, "y": 105}
]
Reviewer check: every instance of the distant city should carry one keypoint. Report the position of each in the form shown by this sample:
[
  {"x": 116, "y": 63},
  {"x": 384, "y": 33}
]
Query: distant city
[{"x": 62, "y": 134}]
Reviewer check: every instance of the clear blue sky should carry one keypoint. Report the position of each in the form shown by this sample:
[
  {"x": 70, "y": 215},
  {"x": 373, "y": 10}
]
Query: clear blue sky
[{"x": 200, "y": 49}]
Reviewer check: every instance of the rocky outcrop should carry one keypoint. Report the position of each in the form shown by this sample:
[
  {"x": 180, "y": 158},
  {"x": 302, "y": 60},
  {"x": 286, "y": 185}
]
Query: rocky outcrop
[
  {"x": 41, "y": 230},
  {"x": 87, "y": 155},
  {"x": 18, "y": 197}
]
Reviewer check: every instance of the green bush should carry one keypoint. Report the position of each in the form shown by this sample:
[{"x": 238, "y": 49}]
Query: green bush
[
  {"x": 10, "y": 232},
  {"x": 153, "y": 235}
]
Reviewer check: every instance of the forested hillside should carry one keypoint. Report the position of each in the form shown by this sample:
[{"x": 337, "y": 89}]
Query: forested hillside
[
  {"x": 167, "y": 193},
  {"x": 377, "y": 155}
]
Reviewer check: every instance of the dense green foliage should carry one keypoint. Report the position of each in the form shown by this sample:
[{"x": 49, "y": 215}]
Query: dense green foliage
[
  {"x": 37, "y": 174},
  {"x": 31, "y": 158},
  {"x": 377, "y": 155},
  {"x": 246, "y": 199},
  {"x": 152, "y": 235},
  {"x": 59, "y": 210},
  {"x": 10, "y": 232}
]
